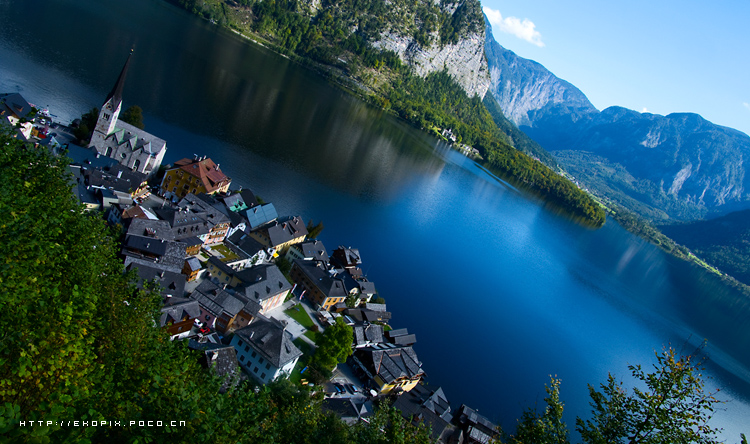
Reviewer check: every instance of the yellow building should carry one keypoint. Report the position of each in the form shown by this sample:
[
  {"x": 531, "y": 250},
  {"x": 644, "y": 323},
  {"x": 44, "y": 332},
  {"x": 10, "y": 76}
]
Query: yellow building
[
  {"x": 389, "y": 367},
  {"x": 281, "y": 234},
  {"x": 199, "y": 175}
]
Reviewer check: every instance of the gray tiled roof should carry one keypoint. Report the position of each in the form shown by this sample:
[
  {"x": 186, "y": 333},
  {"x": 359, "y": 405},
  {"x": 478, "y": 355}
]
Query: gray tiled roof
[
  {"x": 177, "y": 308},
  {"x": 286, "y": 229},
  {"x": 145, "y": 227},
  {"x": 314, "y": 249},
  {"x": 315, "y": 271},
  {"x": 234, "y": 200},
  {"x": 364, "y": 334},
  {"x": 390, "y": 362},
  {"x": 478, "y": 428},
  {"x": 223, "y": 360},
  {"x": 431, "y": 407},
  {"x": 217, "y": 300},
  {"x": 88, "y": 157},
  {"x": 171, "y": 283},
  {"x": 269, "y": 338},
  {"x": 263, "y": 281},
  {"x": 245, "y": 243},
  {"x": 366, "y": 287},
  {"x": 116, "y": 177},
  {"x": 347, "y": 257},
  {"x": 193, "y": 264}
]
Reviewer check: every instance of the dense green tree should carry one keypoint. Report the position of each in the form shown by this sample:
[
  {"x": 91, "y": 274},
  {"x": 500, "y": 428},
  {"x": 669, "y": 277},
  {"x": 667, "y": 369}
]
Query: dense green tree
[
  {"x": 669, "y": 405},
  {"x": 546, "y": 427},
  {"x": 334, "y": 346},
  {"x": 86, "y": 127},
  {"x": 313, "y": 230},
  {"x": 134, "y": 116}
]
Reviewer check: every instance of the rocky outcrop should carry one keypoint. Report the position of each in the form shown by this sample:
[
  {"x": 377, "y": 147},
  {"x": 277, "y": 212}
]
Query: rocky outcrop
[
  {"x": 464, "y": 61},
  {"x": 458, "y": 48}
]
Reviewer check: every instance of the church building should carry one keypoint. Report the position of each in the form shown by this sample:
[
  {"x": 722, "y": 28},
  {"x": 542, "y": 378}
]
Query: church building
[{"x": 133, "y": 147}]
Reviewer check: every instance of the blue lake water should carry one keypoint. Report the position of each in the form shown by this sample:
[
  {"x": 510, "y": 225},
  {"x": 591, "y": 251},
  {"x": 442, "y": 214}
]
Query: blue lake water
[{"x": 500, "y": 291}]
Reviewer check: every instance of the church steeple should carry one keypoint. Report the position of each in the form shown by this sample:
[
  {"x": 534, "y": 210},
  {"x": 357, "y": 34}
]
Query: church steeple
[
  {"x": 110, "y": 111},
  {"x": 116, "y": 94}
]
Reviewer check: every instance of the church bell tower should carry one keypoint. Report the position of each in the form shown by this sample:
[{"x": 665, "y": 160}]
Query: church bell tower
[{"x": 110, "y": 111}]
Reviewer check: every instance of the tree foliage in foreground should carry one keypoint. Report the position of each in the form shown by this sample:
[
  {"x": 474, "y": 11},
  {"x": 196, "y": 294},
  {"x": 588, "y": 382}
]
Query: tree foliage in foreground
[
  {"x": 81, "y": 343},
  {"x": 668, "y": 405}
]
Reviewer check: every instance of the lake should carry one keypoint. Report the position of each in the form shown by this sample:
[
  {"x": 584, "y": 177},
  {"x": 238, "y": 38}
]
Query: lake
[{"x": 501, "y": 291}]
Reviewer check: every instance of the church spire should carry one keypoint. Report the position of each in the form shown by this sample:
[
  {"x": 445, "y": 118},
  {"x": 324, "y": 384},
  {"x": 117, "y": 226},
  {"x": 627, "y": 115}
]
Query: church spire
[
  {"x": 110, "y": 111},
  {"x": 116, "y": 94}
]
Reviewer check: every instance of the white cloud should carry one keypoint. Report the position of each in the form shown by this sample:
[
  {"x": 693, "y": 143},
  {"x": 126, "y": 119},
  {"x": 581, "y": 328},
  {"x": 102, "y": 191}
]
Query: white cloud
[
  {"x": 746, "y": 105},
  {"x": 523, "y": 29},
  {"x": 645, "y": 110}
]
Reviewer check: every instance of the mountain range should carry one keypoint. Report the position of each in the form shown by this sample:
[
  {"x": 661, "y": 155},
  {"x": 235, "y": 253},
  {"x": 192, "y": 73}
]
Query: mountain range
[{"x": 678, "y": 167}]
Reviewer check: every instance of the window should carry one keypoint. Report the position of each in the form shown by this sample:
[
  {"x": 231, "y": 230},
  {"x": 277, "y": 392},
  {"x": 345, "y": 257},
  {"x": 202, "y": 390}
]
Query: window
[
  {"x": 263, "y": 376},
  {"x": 247, "y": 349},
  {"x": 255, "y": 370},
  {"x": 254, "y": 354},
  {"x": 240, "y": 343},
  {"x": 268, "y": 366},
  {"x": 242, "y": 358},
  {"x": 261, "y": 360}
]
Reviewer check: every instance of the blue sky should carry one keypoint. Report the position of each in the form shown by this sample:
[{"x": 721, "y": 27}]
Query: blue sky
[{"x": 661, "y": 56}]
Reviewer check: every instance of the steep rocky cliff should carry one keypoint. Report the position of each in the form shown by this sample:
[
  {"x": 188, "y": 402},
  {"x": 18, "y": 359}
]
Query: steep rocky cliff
[
  {"x": 450, "y": 37},
  {"x": 526, "y": 90},
  {"x": 464, "y": 60}
]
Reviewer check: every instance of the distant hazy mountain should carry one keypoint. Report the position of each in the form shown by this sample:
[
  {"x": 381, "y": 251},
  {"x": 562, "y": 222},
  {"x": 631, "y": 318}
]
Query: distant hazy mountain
[{"x": 679, "y": 166}]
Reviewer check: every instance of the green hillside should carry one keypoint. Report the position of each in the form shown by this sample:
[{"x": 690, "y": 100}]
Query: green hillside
[
  {"x": 723, "y": 242},
  {"x": 336, "y": 38}
]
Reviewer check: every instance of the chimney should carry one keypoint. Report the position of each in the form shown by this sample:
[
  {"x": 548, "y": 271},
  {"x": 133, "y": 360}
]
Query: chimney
[{"x": 119, "y": 174}]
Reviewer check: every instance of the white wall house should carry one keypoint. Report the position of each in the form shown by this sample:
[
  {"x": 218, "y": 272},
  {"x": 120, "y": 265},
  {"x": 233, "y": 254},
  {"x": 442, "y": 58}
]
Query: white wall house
[{"x": 265, "y": 350}]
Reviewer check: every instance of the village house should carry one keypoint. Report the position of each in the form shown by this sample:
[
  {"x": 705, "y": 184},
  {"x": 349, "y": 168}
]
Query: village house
[
  {"x": 281, "y": 234},
  {"x": 266, "y": 285},
  {"x": 257, "y": 252},
  {"x": 151, "y": 251},
  {"x": 430, "y": 408},
  {"x": 260, "y": 215},
  {"x": 476, "y": 428},
  {"x": 311, "y": 250},
  {"x": 237, "y": 222},
  {"x": 265, "y": 350},
  {"x": 219, "y": 308},
  {"x": 388, "y": 368},
  {"x": 320, "y": 286},
  {"x": 178, "y": 314},
  {"x": 191, "y": 269},
  {"x": 18, "y": 114},
  {"x": 195, "y": 176}
]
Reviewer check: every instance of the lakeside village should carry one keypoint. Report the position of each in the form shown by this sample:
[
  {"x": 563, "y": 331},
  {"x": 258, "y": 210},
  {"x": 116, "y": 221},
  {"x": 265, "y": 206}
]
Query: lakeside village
[{"x": 214, "y": 253}]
